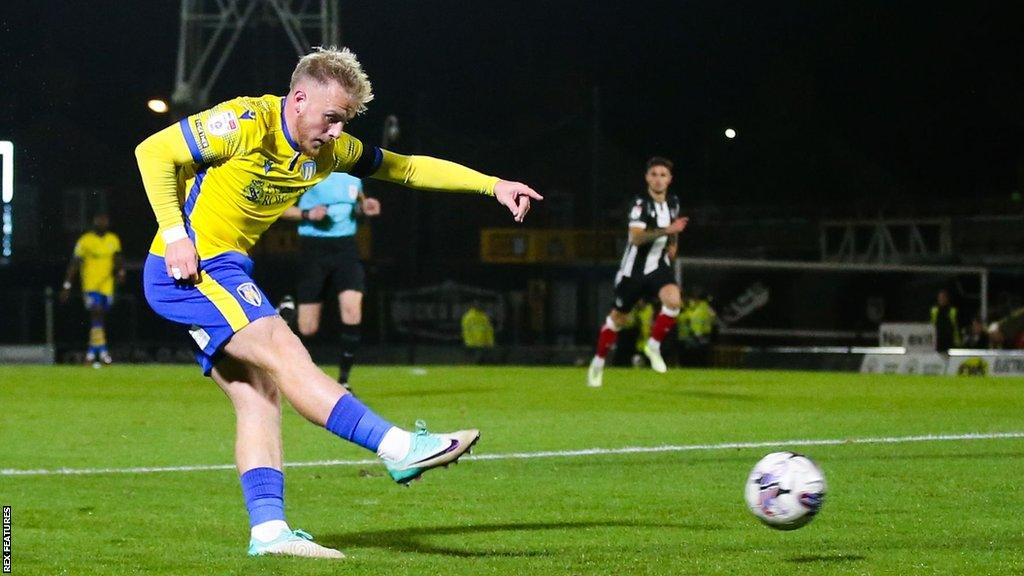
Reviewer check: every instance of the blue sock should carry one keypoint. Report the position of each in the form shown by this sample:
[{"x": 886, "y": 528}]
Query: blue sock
[
  {"x": 353, "y": 421},
  {"x": 263, "y": 489}
]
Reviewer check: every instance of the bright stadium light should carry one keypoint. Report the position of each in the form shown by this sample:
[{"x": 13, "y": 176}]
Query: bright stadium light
[
  {"x": 730, "y": 133},
  {"x": 157, "y": 105},
  {"x": 7, "y": 183},
  {"x": 7, "y": 195}
]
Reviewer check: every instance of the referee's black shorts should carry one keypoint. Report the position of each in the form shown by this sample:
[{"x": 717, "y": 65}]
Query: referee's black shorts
[
  {"x": 630, "y": 290},
  {"x": 328, "y": 266}
]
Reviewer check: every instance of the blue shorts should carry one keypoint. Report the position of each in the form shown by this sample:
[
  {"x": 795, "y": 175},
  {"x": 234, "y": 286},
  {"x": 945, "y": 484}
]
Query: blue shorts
[
  {"x": 224, "y": 301},
  {"x": 97, "y": 300}
]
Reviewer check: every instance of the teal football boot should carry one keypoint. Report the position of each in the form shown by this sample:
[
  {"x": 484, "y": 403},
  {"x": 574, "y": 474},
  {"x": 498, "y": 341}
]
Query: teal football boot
[
  {"x": 428, "y": 451},
  {"x": 292, "y": 543}
]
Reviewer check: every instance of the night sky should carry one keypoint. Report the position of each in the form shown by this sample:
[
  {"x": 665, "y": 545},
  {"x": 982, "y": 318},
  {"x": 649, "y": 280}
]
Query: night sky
[{"x": 860, "y": 106}]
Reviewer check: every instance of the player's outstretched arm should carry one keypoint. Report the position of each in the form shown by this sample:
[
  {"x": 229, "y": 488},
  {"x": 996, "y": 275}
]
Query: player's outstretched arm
[
  {"x": 516, "y": 197},
  {"x": 427, "y": 173}
]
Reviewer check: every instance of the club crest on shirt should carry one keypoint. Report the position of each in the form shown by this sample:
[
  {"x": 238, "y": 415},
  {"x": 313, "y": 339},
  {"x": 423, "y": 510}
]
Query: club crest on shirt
[
  {"x": 250, "y": 293},
  {"x": 353, "y": 192},
  {"x": 222, "y": 123},
  {"x": 308, "y": 169}
]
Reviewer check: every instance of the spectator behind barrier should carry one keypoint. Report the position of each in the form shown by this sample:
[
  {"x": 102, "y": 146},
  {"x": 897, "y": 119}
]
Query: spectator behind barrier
[
  {"x": 976, "y": 336},
  {"x": 944, "y": 318},
  {"x": 1007, "y": 332},
  {"x": 477, "y": 333}
]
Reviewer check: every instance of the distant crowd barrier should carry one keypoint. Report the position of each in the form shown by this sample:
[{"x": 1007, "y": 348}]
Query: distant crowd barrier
[{"x": 959, "y": 362}]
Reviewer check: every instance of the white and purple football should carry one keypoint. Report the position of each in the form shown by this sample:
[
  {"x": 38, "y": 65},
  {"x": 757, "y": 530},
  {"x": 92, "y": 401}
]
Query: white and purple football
[{"x": 785, "y": 490}]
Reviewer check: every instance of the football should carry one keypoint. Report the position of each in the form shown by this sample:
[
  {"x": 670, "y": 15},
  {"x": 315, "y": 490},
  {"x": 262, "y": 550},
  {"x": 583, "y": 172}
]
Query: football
[{"x": 785, "y": 490}]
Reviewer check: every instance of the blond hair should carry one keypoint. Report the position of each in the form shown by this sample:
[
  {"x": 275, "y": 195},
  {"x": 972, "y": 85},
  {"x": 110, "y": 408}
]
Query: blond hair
[{"x": 340, "y": 65}]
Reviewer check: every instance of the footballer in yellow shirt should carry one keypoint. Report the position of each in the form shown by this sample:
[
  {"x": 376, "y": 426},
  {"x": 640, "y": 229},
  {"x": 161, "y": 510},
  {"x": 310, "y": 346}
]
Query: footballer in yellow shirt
[
  {"x": 98, "y": 255},
  {"x": 216, "y": 181},
  {"x": 221, "y": 177}
]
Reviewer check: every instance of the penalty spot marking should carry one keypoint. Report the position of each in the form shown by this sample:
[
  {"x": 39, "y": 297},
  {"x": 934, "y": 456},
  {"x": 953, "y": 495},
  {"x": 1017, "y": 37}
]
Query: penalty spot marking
[{"x": 548, "y": 454}]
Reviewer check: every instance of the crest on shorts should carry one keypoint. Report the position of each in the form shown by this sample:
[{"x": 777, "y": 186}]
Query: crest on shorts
[
  {"x": 250, "y": 293},
  {"x": 308, "y": 169}
]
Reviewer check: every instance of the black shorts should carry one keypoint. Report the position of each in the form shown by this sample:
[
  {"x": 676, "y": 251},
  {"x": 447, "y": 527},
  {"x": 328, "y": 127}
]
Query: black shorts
[
  {"x": 328, "y": 266},
  {"x": 630, "y": 290}
]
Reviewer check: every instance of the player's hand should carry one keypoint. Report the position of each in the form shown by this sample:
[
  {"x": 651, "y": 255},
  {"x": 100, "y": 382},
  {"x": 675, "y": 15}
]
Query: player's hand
[
  {"x": 516, "y": 197},
  {"x": 182, "y": 260},
  {"x": 317, "y": 213},
  {"x": 371, "y": 207},
  {"x": 64, "y": 295},
  {"x": 677, "y": 225},
  {"x": 672, "y": 250}
]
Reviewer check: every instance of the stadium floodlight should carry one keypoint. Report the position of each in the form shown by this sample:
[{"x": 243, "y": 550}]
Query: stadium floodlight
[
  {"x": 7, "y": 195},
  {"x": 7, "y": 184},
  {"x": 158, "y": 106},
  {"x": 730, "y": 133}
]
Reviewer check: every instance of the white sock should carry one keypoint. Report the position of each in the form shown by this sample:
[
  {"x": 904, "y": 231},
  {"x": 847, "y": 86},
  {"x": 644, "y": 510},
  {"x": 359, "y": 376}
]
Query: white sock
[
  {"x": 654, "y": 344},
  {"x": 267, "y": 531},
  {"x": 597, "y": 361},
  {"x": 395, "y": 444}
]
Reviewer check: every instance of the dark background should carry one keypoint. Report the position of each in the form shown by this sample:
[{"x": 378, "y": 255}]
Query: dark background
[
  {"x": 861, "y": 105},
  {"x": 843, "y": 109}
]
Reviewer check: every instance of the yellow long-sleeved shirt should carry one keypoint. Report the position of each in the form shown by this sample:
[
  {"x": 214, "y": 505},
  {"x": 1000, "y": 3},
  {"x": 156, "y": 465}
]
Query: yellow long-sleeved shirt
[{"x": 226, "y": 174}]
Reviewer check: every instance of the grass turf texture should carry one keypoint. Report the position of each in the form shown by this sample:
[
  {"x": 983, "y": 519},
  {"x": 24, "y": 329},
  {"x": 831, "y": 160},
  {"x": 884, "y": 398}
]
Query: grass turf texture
[{"x": 952, "y": 507}]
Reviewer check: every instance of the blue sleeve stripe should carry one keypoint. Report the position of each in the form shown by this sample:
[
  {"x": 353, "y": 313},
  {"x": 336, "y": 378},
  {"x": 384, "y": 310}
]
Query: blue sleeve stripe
[
  {"x": 190, "y": 203},
  {"x": 191, "y": 141},
  {"x": 368, "y": 162}
]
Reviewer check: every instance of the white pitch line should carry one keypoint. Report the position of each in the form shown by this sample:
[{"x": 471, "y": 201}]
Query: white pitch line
[{"x": 546, "y": 454}]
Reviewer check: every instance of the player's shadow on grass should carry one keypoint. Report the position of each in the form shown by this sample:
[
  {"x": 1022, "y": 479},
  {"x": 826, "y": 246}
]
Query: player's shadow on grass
[
  {"x": 413, "y": 539},
  {"x": 702, "y": 394},
  {"x": 826, "y": 558},
  {"x": 420, "y": 392}
]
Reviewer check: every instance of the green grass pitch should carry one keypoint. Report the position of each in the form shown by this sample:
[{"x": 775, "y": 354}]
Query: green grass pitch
[{"x": 925, "y": 507}]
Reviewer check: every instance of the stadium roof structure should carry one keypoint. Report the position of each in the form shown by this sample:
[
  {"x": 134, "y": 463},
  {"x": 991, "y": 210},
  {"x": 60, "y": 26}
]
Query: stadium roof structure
[{"x": 209, "y": 30}]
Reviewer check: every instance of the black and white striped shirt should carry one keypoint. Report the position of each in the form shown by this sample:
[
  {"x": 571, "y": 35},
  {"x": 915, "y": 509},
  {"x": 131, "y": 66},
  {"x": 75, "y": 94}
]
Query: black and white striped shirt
[{"x": 646, "y": 214}]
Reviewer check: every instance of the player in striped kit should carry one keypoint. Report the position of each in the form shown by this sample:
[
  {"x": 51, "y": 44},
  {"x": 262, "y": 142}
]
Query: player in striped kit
[{"x": 646, "y": 268}]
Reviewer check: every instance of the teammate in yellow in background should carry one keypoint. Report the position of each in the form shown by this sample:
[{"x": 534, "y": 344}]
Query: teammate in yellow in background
[
  {"x": 216, "y": 181},
  {"x": 98, "y": 255}
]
